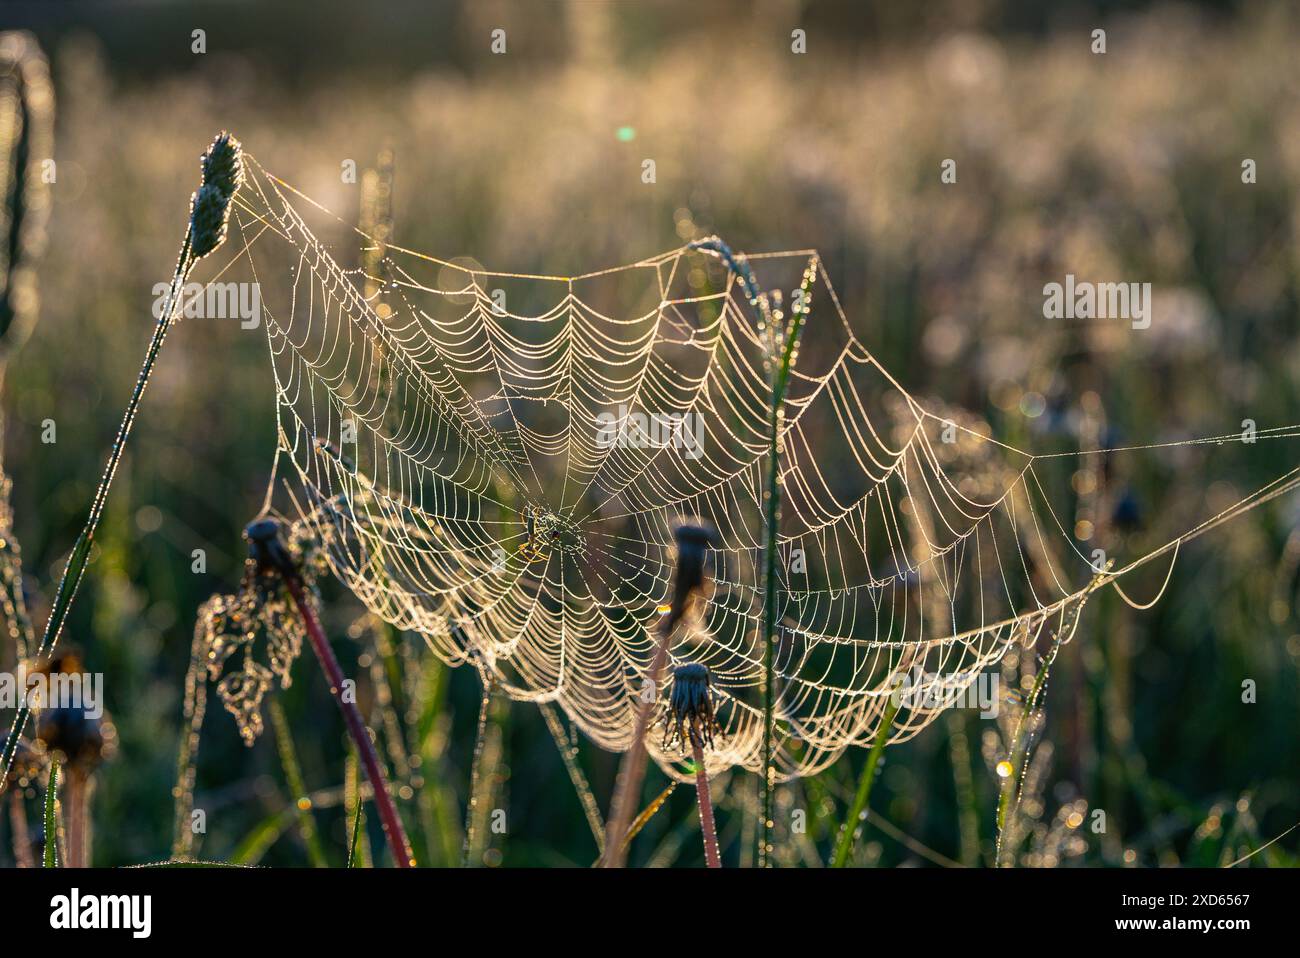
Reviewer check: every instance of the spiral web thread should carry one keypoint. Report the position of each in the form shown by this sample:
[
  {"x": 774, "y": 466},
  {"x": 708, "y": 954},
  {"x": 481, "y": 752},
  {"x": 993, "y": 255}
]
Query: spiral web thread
[{"x": 451, "y": 457}]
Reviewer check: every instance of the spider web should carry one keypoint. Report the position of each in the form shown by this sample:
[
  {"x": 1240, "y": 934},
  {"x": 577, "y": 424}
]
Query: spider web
[{"x": 444, "y": 431}]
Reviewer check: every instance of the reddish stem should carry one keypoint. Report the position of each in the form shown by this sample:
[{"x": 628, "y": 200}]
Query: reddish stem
[
  {"x": 707, "y": 826},
  {"x": 75, "y": 799},
  {"x": 392, "y": 823}
]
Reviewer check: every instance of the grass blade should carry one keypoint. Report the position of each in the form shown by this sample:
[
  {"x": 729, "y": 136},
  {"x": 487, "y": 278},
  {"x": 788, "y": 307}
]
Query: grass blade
[
  {"x": 297, "y": 788},
  {"x": 51, "y": 857},
  {"x": 848, "y": 830},
  {"x": 358, "y": 819}
]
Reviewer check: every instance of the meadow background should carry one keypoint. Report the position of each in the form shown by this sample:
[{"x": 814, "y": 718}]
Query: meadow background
[{"x": 1125, "y": 165}]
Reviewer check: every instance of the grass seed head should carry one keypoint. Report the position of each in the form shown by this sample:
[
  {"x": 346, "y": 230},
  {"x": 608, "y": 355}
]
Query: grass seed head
[
  {"x": 223, "y": 164},
  {"x": 209, "y": 212},
  {"x": 223, "y": 173}
]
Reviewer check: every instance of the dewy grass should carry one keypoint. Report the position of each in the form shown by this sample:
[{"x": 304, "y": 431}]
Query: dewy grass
[
  {"x": 783, "y": 350},
  {"x": 297, "y": 789},
  {"x": 475, "y": 776},
  {"x": 1020, "y": 750},
  {"x": 194, "y": 710},
  {"x": 209, "y": 214},
  {"x": 568, "y": 750},
  {"x": 358, "y": 822},
  {"x": 50, "y": 858},
  {"x": 849, "y": 830},
  {"x": 783, "y": 361},
  {"x": 354, "y": 809},
  {"x": 26, "y": 134},
  {"x": 1012, "y": 785},
  {"x": 648, "y": 813}
]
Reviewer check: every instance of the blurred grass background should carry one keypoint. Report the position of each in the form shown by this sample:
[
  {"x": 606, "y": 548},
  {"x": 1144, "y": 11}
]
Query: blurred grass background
[{"x": 1125, "y": 166}]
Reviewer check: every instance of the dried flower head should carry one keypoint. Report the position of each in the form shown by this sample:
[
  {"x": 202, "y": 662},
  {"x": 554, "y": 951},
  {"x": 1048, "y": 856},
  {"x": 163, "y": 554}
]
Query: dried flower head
[
  {"x": 690, "y": 707},
  {"x": 265, "y": 548},
  {"x": 692, "y": 541},
  {"x": 230, "y": 626},
  {"x": 76, "y": 735},
  {"x": 81, "y": 739}
]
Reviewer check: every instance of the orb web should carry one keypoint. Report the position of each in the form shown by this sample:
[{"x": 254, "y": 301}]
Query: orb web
[{"x": 497, "y": 462}]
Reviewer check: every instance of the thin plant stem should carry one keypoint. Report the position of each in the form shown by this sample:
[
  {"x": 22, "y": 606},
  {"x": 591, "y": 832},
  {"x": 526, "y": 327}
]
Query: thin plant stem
[
  {"x": 206, "y": 231},
  {"x": 475, "y": 773},
  {"x": 782, "y": 347},
  {"x": 568, "y": 754},
  {"x": 13, "y": 602},
  {"x": 353, "y": 804},
  {"x": 1019, "y": 757},
  {"x": 648, "y": 813},
  {"x": 50, "y": 855},
  {"x": 707, "y": 827},
  {"x": 849, "y": 830},
  {"x": 297, "y": 787},
  {"x": 76, "y": 813},
  {"x": 75, "y": 570},
  {"x": 196, "y": 701},
  {"x": 358, "y": 821},
  {"x": 437, "y": 806},
  {"x": 781, "y": 364},
  {"x": 631, "y": 772},
  {"x": 388, "y": 816},
  {"x": 964, "y": 785}
]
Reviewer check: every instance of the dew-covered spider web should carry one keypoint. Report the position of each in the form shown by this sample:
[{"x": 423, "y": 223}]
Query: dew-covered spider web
[{"x": 445, "y": 432}]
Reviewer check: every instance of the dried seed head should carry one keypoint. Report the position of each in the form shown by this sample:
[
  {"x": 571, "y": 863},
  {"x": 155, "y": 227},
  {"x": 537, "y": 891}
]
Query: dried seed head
[
  {"x": 266, "y": 549},
  {"x": 696, "y": 535},
  {"x": 693, "y": 541},
  {"x": 223, "y": 164},
  {"x": 209, "y": 212},
  {"x": 258, "y": 622},
  {"x": 223, "y": 172},
  {"x": 691, "y": 706},
  {"x": 77, "y": 736},
  {"x": 81, "y": 739},
  {"x": 241, "y": 692}
]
